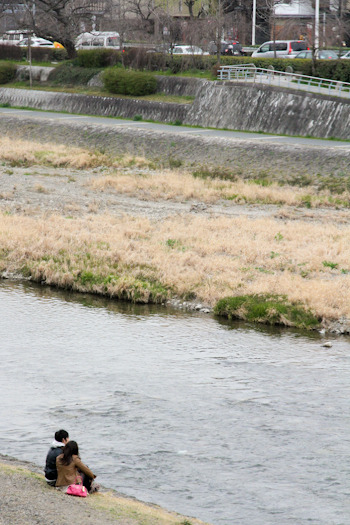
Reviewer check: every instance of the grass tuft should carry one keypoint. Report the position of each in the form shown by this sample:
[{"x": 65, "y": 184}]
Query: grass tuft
[{"x": 267, "y": 309}]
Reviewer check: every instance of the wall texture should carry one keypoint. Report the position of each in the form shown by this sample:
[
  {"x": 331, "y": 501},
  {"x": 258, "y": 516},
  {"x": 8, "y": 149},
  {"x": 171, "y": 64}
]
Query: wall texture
[
  {"x": 93, "y": 105},
  {"x": 271, "y": 110},
  {"x": 219, "y": 105}
]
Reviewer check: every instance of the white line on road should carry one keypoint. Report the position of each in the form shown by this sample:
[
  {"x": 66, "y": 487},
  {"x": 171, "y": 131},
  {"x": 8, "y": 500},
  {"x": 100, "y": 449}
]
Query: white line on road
[
  {"x": 270, "y": 137},
  {"x": 195, "y": 130}
]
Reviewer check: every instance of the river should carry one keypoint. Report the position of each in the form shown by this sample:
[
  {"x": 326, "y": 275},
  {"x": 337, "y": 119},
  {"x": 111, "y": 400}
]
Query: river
[{"x": 233, "y": 424}]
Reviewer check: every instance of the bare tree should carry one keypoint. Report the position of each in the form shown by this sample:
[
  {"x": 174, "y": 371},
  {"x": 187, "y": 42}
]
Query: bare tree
[
  {"x": 170, "y": 29},
  {"x": 62, "y": 20},
  {"x": 190, "y": 5},
  {"x": 144, "y": 10}
]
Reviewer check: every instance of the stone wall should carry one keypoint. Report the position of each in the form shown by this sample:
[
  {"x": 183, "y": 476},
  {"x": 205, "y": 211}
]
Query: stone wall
[
  {"x": 180, "y": 85},
  {"x": 93, "y": 105},
  {"x": 219, "y": 105},
  {"x": 271, "y": 110}
]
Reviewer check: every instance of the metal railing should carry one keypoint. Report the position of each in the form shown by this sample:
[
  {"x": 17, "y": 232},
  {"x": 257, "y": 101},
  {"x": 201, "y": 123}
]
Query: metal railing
[{"x": 252, "y": 74}]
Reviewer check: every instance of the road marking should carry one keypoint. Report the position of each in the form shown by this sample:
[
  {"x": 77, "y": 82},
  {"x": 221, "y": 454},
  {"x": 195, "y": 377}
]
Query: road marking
[
  {"x": 195, "y": 130},
  {"x": 271, "y": 137},
  {"x": 65, "y": 117}
]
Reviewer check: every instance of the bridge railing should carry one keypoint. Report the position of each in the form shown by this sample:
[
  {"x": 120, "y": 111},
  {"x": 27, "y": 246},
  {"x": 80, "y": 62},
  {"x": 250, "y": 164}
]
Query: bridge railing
[{"x": 251, "y": 73}]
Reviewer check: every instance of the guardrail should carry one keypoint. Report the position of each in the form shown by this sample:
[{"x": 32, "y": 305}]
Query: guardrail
[{"x": 252, "y": 74}]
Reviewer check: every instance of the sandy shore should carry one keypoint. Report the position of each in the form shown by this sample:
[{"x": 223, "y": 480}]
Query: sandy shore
[{"x": 26, "y": 499}]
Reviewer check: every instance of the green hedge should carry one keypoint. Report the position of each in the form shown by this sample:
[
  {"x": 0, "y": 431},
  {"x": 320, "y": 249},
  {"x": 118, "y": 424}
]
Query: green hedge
[
  {"x": 67, "y": 74},
  {"x": 127, "y": 82},
  {"x": 46, "y": 54},
  {"x": 7, "y": 72},
  {"x": 39, "y": 54},
  {"x": 97, "y": 58},
  {"x": 11, "y": 52}
]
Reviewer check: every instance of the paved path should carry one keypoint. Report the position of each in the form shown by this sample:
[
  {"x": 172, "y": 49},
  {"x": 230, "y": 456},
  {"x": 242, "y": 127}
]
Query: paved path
[{"x": 181, "y": 130}]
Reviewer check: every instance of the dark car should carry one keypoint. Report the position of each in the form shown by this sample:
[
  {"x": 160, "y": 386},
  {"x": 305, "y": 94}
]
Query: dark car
[{"x": 232, "y": 48}]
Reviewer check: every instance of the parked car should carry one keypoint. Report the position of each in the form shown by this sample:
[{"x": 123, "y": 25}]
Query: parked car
[
  {"x": 14, "y": 36},
  {"x": 231, "y": 49},
  {"x": 108, "y": 39},
  {"x": 322, "y": 54},
  {"x": 36, "y": 42},
  {"x": 227, "y": 48},
  {"x": 346, "y": 55},
  {"x": 280, "y": 49},
  {"x": 188, "y": 50}
]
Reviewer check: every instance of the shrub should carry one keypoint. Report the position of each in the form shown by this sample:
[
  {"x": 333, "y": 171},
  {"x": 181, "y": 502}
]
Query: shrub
[
  {"x": 69, "y": 75},
  {"x": 7, "y": 72},
  {"x": 136, "y": 58},
  {"x": 46, "y": 54},
  {"x": 97, "y": 58},
  {"x": 126, "y": 82},
  {"x": 222, "y": 173}
]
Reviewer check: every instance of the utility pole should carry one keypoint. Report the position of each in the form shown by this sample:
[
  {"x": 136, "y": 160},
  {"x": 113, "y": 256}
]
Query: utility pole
[
  {"x": 317, "y": 25},
  {"x": 254, "y": 23}
]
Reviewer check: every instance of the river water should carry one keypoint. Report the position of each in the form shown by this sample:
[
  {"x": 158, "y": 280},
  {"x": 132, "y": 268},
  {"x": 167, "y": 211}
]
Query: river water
[{"x": 229, "y": 423}]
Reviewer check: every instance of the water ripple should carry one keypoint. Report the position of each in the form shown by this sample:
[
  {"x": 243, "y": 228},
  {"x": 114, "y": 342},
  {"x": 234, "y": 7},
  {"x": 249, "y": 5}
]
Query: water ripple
[{"x": 229, "y": 423}]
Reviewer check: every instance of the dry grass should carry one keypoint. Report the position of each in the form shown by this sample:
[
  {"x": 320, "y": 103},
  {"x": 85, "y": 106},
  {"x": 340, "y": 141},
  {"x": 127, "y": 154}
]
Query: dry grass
[
  {"x": 27, "y": 153},
  {"x": 31, "y": 153},
  {"x": 208, "y": 257},
  {"x": 203, "y": 257},
  {"x": 181, "y": 185},
  {"x": 161, "y": 184}
]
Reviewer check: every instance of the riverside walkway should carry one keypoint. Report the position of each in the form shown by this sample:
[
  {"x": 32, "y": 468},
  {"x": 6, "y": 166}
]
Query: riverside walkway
[{"x": 166, "y": 129}]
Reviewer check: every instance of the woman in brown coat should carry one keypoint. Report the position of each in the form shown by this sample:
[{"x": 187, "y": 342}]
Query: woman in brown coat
[{"x": 69, "y": 466}]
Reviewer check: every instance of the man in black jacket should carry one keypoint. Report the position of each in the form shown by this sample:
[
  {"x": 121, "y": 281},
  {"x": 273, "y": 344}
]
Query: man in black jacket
[{"x": 61, "y": 439}]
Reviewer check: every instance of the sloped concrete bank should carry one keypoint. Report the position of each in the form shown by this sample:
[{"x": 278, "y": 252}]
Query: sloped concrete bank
[
  {"x": 219, "y": 105},
  {"x": 271, "y": 110},
  {"x": 93, "y": 105},
  {"x": 246, "y": 158}
]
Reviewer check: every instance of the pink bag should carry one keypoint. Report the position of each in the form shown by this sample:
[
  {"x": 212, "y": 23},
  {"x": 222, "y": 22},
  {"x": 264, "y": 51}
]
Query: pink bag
[{"x": 77, "y": 489}]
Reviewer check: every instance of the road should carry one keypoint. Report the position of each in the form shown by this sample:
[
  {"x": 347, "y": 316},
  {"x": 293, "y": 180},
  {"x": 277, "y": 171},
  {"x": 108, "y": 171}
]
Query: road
[{"x": 180, "y": 130}]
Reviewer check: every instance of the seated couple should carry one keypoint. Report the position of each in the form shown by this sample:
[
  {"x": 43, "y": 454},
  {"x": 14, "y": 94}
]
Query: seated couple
[{"x": 64, "y": 466}]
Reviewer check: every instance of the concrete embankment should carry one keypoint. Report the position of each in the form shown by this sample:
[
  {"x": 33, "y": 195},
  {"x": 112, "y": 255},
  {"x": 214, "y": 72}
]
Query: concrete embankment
[
  {"x": 228, "y": 105},
  {"x": 93, "y": 105},
  {"x": 247, "y": 158}
]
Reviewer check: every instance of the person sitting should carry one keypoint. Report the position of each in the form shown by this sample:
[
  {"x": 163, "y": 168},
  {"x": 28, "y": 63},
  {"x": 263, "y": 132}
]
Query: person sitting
[
  {"x": 70, "y": 467},
  {"x": 61, "y": 439}
]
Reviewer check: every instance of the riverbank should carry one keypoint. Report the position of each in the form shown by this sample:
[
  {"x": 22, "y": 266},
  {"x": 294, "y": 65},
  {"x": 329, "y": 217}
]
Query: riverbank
[
  {"x": 26, "y": 499},
  {"x": 127, "y": 227}
]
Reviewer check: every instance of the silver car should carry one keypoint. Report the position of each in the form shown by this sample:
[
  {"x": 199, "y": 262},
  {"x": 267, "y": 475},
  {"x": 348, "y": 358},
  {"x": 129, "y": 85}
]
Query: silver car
[
  {"x": 280, "y": 49},
  {"x": 321, "y": 54}
]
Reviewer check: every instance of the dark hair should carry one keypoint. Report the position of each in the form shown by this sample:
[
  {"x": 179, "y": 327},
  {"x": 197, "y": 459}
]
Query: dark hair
[
  {"x": 60, "y": 435},
  {"x": 68, "y": 451}
]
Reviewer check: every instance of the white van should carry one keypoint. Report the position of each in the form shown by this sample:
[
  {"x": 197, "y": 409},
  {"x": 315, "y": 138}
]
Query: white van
[
  {"x": 283, "y": 48},
  {"x": 96, "y": 39},
  {"x": 14, "y": 36}
]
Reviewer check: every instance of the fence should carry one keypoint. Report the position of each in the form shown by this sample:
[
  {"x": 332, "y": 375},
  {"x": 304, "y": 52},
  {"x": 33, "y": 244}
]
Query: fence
[{"x": 256, "y": 75}]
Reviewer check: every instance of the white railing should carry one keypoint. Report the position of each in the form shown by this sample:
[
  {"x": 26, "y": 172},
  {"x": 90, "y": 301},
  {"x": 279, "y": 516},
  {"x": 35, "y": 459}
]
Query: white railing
[{"x": 251, "y": 73}]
